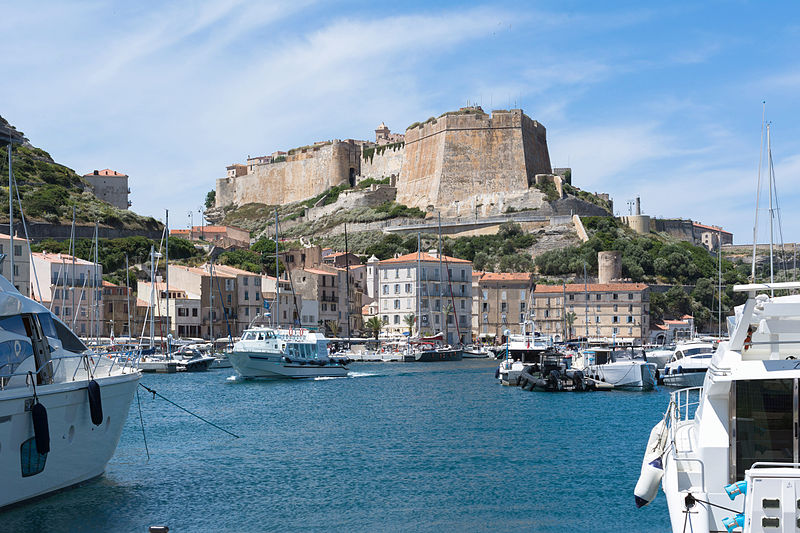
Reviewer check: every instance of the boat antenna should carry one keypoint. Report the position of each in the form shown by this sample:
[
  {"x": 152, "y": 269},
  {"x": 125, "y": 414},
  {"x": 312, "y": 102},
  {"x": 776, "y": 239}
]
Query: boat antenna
[
  {"x": 758, "y": 191},
  {"x": 166, "y": 280},
  {"x": 277, "y": 320},
  {"x": 719, "y": 284}
]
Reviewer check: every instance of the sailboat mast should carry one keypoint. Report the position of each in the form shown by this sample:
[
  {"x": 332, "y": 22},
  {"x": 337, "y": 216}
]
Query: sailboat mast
[
  {"x": 719, "y": 284},
  {"x": 586, "y": 306},
  {"x": 72, "y": 253},
  {"x": 441, "y": 276},
  {"x": 758, "y": 192},
  {"x": 347, "y": 282},
  {"x": 10, "y": 213},
  {"x": 128, "y": 295},
  {"x": 277, "y": 276},
  {"x": 152, "y": 293},
  {"x": 419, "y": 281},
  {"x": 771, "y": 212},
  {"x": 166, "y": 278},
  {"x": 97, "y": 285}
]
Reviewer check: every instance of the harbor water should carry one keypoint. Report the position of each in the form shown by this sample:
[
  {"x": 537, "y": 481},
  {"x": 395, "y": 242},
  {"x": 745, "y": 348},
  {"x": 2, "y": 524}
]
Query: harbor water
[{"x": 393, "y": 447}]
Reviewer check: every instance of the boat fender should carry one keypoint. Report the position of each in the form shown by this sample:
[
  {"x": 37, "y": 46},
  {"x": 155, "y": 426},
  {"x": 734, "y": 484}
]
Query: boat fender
[
  {"x": 519, "y": 380},
  {"x": 652, "y": 466},
  {"x": 732, "y": 522},
  {"x": 734, "y": 489},
  {"x": 95, "y": 402},
  {"x": 41, "y": 430},
  {"x": 497, "y": 373}
]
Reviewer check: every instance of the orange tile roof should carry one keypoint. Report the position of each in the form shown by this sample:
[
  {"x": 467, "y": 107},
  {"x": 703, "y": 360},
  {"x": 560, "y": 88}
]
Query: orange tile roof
[
  {"x": 424, "y": 257},
  {"x": 507, "y": 276},
  {"x": 592, "y": 287},
  {"x": 712, "y": 228},
  {"x": 105, "y": 172},
  {"x": 319, "y": 272},
  {"x": 227, "y": 269}
]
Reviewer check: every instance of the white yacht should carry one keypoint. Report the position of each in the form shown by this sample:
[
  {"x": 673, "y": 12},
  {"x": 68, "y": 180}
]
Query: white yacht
[
  {"x": 526, "y": 346},
  {"x": 660, "y": 355},
  {"x": 687, "y": 366},
  {"x": 737, "y": 434},
  {"x": 265, "y": 352},
  {"x": 62, "y": 409},
  {"x": 618, "y": 368}
]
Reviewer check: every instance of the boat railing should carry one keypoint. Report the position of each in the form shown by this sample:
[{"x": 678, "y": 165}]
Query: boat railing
[
  {"x": 127, "y": 361},
  {"x": 686, "y": 402}
]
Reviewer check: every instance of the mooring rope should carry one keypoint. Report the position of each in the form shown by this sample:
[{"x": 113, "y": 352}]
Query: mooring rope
[
  {"x": 141, "y": 420},
  {"x": 154, "y": 393}
]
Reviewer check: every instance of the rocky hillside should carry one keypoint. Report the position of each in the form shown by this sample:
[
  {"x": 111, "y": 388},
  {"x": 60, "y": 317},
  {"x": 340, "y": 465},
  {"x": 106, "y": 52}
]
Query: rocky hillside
[{"x": 49, "y": 190}]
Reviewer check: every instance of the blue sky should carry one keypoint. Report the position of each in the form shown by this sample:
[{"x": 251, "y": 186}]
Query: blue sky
[{"x": 661, "y": 101}]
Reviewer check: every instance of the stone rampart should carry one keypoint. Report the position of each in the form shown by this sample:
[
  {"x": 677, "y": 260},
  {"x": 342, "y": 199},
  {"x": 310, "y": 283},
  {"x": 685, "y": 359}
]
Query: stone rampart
[
  {"x": 378, "y": 163},
  {"x": 372, "y": 197},
  {"x": 304, "y": 174},
  {"x": 458, "y": 157},
  {"x": 675, "y": 227}
]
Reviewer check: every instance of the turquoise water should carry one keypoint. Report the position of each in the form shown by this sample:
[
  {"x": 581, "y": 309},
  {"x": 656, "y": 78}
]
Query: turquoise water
[{"x": 396, "y": 447}]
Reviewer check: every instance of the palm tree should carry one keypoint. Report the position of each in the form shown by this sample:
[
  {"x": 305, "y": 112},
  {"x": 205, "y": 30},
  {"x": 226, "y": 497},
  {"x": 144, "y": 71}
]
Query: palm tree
[
  {"x": 374, "y": 324},
  {"x": 570, "y": 318},
  {"x": 333, "y": 327},
  {"x": 409, "y": 321}
]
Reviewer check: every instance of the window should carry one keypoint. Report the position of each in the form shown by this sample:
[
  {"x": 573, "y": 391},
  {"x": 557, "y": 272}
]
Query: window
[
  {"x": 333, "y": 307},
  {"x": 597, "y": 321},
  {"x": 182, "y": 311},
  {"x": 462, "y": 304},
  {"x": 246, "y": 294},
  {"x": 630, "y": 331},
  {"x": 503, "y": 295},
  {"x": 408, "y": 287},
  {"x": 425, "y": 304},
  {"x": 396, "y": 319},
  {"x": 485, "y": 317},
  {"x": 463, "y": 275},
  {"x": 324, "y": 307},
  {"x": 397, "y": 288},
  {"x": 258, "y": 296},
  {"x": 385, "y": 318},
  {"x": 485, "y": 306},
  {"x": 194, "y": 311},
  {"x": 547, "y": 313},
  {"x": 503, "y": 307},
  {"x": 630, "y": 309},
  {"x": 245, "y": 281},
  {"x": 522, "y": 306},
  {"x": 396, "y": 275},
  {"x": 485, "y": 294},
  {"x": 229, "y": 298},
  {"x": 630, "y": 319},
  {"x": 385, "y": 289},
  {"x": 17, "y": 249},
  {"x": 615, "y": 319},
  {"x": 630, "y": 296},
  {"x": 397, "y": 304},
  {"x": 597, "y": 297},
  {"x": 56, "y": 310},
  {"x": 615, "y": 308},
  {"x": 616, "y": 330},
  {"x": 228, "y": 284},
  {"x": 31, "y": 460},
  {"x": 571, "y": 296},
  {"x": 384, "y": 277},
  {"x": 246, "y": 311},
  {"x": 615, "y": 296}
]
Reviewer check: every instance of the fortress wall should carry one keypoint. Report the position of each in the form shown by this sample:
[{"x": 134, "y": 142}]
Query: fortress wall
[
  {"x": 421, "y": 170},
  {"x": 303, "y": 175},
  {"x": 383, "y": 164},
  {"x": 450, "y": 162}
]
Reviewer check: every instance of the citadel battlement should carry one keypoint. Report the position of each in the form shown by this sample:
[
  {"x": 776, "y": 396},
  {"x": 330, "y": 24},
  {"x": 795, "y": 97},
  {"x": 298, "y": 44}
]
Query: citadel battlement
[{"x": 465, "y": 158}]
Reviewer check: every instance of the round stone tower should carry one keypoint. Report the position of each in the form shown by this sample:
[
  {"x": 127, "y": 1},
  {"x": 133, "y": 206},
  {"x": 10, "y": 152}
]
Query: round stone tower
[{"x": 609, "y": 266}]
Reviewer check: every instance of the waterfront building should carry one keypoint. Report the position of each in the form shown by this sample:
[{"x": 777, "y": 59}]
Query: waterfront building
[
  {"x": 115, "y": 309},
  {"x": 504, "y": 301},
  {"x": 72, "y": 290},
  {"x": 223, "y": 296},
  {"x": 220, "y": 236},
  {"x": 184, "y": 311},
  {"x": 435, "y": 292},
  {"x": 670, "y": 331},
  {"x": 22, "y": 262},
  {"x": 248, "y": 297},
  {"x": 603, "y": 312}
]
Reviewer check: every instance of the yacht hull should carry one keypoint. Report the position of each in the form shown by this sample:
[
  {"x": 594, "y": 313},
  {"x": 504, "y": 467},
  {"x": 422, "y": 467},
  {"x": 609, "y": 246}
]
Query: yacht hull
[
  {"x": 79, "y": 450},
  {"x": 626, "y": 375},
  {"x": 259, "y": 365},
  {"x": 430, "y": 356}
]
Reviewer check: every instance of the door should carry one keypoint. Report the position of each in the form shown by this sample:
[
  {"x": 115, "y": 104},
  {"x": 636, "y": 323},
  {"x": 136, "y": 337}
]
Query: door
[{"x": 765, "y": 423}]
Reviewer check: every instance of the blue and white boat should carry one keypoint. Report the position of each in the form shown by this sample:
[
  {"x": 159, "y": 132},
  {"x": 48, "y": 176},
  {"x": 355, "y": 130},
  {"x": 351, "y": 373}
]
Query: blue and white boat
[{"x": 270, "y": 353}]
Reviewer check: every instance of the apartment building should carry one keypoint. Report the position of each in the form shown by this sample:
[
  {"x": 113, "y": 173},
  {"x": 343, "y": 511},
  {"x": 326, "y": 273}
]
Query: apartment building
[
  {"x": 182, "y": 309},
  {"x": 116, "y": 300},
  {"x": 248, "y": 296},
  {"x": 504, "y": 303},
  {"x": 608, "y": 312},
  {"x": 22, "y": 262},
  {"x": 219, "y": 302},
  {"x": 438, "y": 293}
]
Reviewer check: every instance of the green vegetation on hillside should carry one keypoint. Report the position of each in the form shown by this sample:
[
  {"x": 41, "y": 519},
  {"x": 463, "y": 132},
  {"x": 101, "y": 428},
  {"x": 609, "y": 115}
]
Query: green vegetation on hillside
[{"x": 49, "y": 191}]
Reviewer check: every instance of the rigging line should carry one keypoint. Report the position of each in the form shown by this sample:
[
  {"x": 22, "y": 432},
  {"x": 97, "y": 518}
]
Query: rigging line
[
  {"x": 141, "y": 420},
  {"x": 758, "y": 191},
  {"x": 774, "y": 186},
  {"x": 154, "y": 393},
  {"x": 25, "y": 228},
  {"x": 719, "y": 506}
]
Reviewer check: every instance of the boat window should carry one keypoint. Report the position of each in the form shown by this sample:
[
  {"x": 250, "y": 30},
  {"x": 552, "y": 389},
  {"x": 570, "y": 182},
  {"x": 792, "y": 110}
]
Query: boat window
[
  {"x": 14, "y": 324},
  {"x": 31, "y": 460},
  {"x": 695, "y": 351},
  {"x": 764, "y": 422},
  {"x": 12, "y": 353},
  {"x": 48, "y": 328},
  {"x": 68, "y": 339},
  {"x": 260, "y": 336},
  {"x": 678, "y": 355}
]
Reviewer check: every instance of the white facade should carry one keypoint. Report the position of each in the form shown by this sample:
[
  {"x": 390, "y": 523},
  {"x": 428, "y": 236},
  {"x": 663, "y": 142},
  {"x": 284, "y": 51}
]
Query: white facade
[
  {"x": 22, "y": 262},
  {"x": 424, "y": 289}
]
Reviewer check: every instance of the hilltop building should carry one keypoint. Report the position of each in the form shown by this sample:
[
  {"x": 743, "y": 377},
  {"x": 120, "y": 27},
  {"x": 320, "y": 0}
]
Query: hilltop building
[
  {"x": 221, "y": 236},
  {"x": 464, "y": 161},
  {"x": 503, "y": 302},
  {"x": 712, "y": 236},
  {"x": 110, "y": 186}
]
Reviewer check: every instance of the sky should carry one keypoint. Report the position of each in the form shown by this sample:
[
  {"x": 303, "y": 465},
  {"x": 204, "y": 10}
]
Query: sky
[{"x": 657, "y": 100}]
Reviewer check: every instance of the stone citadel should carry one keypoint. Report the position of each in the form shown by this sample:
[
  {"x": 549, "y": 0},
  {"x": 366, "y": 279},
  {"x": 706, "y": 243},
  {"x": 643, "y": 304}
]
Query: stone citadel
[{"x": 464, "y": 161}]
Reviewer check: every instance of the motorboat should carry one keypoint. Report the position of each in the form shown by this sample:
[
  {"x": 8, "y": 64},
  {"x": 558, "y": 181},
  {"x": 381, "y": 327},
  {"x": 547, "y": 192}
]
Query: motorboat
[
  {"x": 660, "y": 355},
  {"x": 737, "y": 433},
  {"x": 476, "y": 352},
  {"x": 271, "y": 353},
  {"x": 442, "y": 353},
  {"x": 527, "y": 346},
  {"x": 62, "y": 408},
  {"x": 620, "y": 368},
  {"x": 688, "y": 365},
  {"x": 192, "y": 360}
]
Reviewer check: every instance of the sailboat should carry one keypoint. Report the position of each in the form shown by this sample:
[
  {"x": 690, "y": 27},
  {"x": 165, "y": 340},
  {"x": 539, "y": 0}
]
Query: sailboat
[{"x": 63, "y": 407}]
